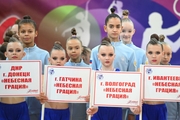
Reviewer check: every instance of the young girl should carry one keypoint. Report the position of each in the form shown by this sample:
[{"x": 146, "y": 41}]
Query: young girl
[
  {"x": 173, "y": 112},
  {"x": 27, "y": 33},
  {"x": 106, "y": 55},
  {"x": 125, "y": 56},
  {"x": 154, "y": 110},
  {"x": 126, "y": 37},
  {"x": 86, "y": 54},
  {"x": 74, "y": 51},
  {"x": 14, "y": 108},
  {"x": 125, "y": 59},
  {"x": 54, "y": 110},
  {"x": 167, "y": 51}
]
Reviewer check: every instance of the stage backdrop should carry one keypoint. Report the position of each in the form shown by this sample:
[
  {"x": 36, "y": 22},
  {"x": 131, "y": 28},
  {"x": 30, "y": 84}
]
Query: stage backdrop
[{"x": 55, "y": 18}]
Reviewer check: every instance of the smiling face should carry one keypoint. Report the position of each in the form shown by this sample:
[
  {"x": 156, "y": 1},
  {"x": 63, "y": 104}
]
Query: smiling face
[
  {"x": 154, "y": 54},
  {"x": 14, "y": 51},
  {"x": 127, "y": 32},
  {"x": 106, "y": 55}
]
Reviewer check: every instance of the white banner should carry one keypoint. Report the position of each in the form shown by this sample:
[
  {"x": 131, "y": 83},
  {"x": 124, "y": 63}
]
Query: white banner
[
  {"x": 67, "y": 84},
  {"x": 20, "y": 78},
  {"x": 161, "y": 83},
  {"x": 117, "y": 89}
]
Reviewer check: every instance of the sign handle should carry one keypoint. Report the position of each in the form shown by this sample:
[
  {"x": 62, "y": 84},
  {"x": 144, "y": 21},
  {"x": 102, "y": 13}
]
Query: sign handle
[
  {"x": 91, "y": 91},
  {"x": 42, "y": 111}
]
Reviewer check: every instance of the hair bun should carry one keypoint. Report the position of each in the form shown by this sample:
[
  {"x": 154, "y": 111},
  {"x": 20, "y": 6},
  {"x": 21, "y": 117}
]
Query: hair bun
[
  {"x": 155, "y": 36},
  {"x": 73, "y": 32},
  {"x": 15, "y": 36},
  {"x": 105, "y": 40},
  {"x": 125, "y": 13},
  {"x": 57, "y": 43},
  {"x": 26, "y": 17},
  {"x": 112, "y": 10},
  {"x": 154, "y": 39},
  {"x": 8, "y": 35},
  {"x": 161, "y": 38}
]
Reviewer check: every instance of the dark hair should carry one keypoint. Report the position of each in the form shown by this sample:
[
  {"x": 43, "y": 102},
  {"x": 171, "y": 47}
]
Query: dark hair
[
  {"x": 86, "y": 50},
  {"x": 161, "y": 38},
  {"x": 3, "y": 47},
  {"x": 8, "y": 35},
  {"x": 14, "y": 38},
  {"x": 17, "y": 21},
  {"x": 74, "y": 36},
  {"x": 73, "y": 32},
  {"x": 6, "y": 39},
  {"x": 27, "y": 20},
  {"x": 105, "y": 42},
  {"x": 154, "y": 36},
  {"x": 2, "y": 56},
  {"x": 154, "y": 41},
  {"x": 112, "y": 15},
  {"x": 57, "y": 46}
]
